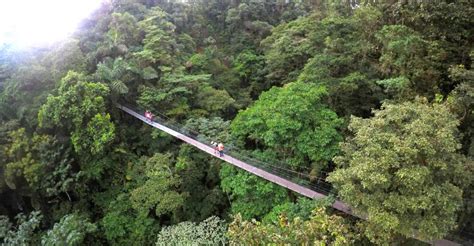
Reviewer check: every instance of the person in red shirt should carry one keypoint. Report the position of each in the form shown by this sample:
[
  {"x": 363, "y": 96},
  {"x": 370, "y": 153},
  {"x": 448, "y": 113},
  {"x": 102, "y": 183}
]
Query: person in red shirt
[{"x": 149, "y": 116}]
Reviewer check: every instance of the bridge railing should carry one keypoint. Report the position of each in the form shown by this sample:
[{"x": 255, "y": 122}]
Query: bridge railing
[{"x": 315, "y": 183}]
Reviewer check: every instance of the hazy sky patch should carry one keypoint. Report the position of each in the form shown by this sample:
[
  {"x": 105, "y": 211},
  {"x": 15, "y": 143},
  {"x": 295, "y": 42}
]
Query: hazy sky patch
[{"x": 28, "y": 23}]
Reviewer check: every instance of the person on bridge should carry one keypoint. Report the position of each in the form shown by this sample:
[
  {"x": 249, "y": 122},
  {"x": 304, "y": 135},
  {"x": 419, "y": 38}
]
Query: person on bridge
[
  {"x": 149, "y": 116},
  {"x": 220, "y": 148},
  {"x": 214, "y": 145}
]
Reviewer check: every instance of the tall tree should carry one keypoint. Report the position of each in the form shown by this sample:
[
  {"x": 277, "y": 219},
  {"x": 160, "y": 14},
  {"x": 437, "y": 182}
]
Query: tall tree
[
  {"x": 159, "y": 191},
  {"x": 70, "y": 230},
  {"x": 403, "y": 168},
  {"x": 23, "y": 233},
  {"x": 291, "y": 124},
  {"x": 78, "y": 113},
  {"x": 319, "y": 229},
  {"x": 405, "y": 53},
  {"x": 80, "y": 108},
  {"x": 211, "y": 231}
]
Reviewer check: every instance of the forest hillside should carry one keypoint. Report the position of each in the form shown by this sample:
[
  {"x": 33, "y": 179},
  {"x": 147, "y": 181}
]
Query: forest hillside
[{"x": 374, "y": 99}]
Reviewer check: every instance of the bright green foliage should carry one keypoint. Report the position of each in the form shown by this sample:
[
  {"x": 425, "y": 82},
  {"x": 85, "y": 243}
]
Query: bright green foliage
[
  {"x": 80, "y": 107},
  {"x": 289, "y": 124},
  {"x": 77, "y": 102},
  {"x": 292, "y": 123},
  {"x": 123, "y": 226},
  {"x": 24, "y": 231},
  {"x": 208, "y": 232},
  {"x": 158, "y": 192},
  {"x": 70, "y": 230},
  {"x": 99, "y": 133},
  {"x": 251, "y": 196},
  {"x": 319, "y": 229},
  {"x": 403, "y": 169}
]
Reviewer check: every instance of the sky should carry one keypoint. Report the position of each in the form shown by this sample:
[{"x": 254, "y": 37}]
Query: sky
[{"x": 33, "y": 23}]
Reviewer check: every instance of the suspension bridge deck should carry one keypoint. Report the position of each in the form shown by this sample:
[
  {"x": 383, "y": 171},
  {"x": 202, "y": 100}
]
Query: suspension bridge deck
[{"x": 258, "y": 171}]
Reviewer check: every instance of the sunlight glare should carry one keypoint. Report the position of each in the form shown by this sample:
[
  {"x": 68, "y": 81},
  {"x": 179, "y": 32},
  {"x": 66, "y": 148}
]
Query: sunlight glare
[{"x": 31, "y": 23}]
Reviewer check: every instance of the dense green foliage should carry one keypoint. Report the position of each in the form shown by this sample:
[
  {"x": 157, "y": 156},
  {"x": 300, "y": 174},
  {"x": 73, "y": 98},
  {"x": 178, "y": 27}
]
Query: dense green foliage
[
  {"x": 23, "y": 232},
  {"x": 211, "y": 231},
  {"x": 319, "y": 229},
  {"x": 377, "y": 97},
  {"x": 70, "y": 230},
  {"x": 291, "y": 124},
  {"x": 402, "y": 167}
]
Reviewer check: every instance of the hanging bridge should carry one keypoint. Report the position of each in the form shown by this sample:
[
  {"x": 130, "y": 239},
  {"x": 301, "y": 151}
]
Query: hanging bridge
[{"x": 280, "y": 176}]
